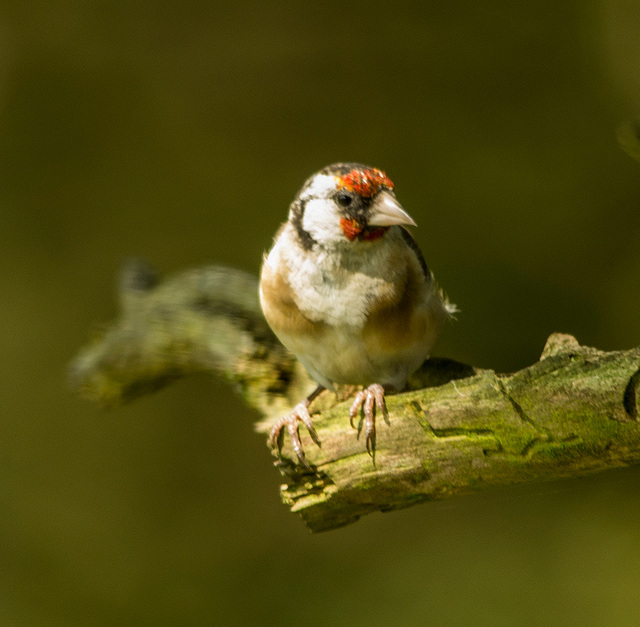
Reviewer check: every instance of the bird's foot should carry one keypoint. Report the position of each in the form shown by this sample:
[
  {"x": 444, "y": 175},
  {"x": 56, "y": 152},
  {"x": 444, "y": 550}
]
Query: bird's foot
[
  {"x": 299, "y": 414},
  {"x": 366, "y": 402}
]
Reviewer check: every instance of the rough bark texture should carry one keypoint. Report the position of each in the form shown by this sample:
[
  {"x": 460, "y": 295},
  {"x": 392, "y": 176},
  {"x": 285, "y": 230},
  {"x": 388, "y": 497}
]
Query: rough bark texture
[{"x": 458, "y": 429}]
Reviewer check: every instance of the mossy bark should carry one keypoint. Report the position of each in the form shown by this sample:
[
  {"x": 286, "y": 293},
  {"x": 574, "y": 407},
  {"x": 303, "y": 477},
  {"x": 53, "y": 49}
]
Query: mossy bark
[{"x": 457, "y": 429}]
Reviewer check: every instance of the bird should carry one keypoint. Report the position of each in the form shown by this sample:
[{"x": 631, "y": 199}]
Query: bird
[{"x": 346, "y": 289}]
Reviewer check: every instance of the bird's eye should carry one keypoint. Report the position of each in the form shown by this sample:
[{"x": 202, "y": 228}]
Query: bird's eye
[{"x": 344, "y": 200}]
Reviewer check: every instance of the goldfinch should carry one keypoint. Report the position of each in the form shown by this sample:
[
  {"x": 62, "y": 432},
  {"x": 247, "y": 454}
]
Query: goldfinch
[{"x": 346, "y": 289}]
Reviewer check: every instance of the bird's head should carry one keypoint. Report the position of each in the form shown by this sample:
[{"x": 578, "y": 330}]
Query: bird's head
[{"x": 346, "y": 203}]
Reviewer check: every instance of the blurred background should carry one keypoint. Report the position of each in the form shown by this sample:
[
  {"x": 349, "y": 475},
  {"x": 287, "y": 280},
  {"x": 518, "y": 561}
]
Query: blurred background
[{"x": 180, "y": 132}]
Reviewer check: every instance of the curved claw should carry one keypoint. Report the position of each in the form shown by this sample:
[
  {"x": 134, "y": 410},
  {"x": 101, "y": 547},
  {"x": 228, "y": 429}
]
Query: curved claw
[
  {"x": 300, "y": 413},
  {"x": 369, "y": 400}
]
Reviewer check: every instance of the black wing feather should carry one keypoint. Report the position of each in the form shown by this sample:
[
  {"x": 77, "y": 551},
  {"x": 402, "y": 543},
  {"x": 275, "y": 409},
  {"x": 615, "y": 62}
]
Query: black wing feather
[{"x": 408, "y": 238}]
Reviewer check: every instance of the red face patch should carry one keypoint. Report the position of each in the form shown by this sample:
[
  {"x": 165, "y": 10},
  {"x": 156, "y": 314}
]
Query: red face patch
[
  {"x": 352, "y": 230},
  {"x": 366, "y": 183}
]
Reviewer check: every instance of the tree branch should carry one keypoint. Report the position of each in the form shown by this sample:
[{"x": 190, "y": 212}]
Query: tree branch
[{"x": 457, "y": 430}]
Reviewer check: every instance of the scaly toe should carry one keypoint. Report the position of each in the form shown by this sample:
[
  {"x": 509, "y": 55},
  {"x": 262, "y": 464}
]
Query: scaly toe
[
  {"x": 300, "y": 413},
  {"x": 367, "y": 402},
  {"x": 355, "y": 408}
]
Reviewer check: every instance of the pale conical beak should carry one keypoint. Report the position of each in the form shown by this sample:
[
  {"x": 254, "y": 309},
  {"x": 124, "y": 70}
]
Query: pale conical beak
[{"x": 387, "y": 211}]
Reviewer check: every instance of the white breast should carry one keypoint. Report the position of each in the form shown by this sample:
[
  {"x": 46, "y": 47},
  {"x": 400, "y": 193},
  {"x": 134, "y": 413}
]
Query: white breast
[{"x": 336, "y": 286}]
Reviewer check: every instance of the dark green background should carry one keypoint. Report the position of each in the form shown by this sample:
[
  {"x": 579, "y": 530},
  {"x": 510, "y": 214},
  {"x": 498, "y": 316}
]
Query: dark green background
[{"x": 180, "y": 132}]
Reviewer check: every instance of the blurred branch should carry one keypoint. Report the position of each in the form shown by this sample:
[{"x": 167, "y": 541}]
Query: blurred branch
[{"x": 458, "y": 429}]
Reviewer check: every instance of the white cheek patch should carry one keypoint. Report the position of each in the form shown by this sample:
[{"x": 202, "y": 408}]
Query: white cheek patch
[{"x": 321, "y": 220}]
